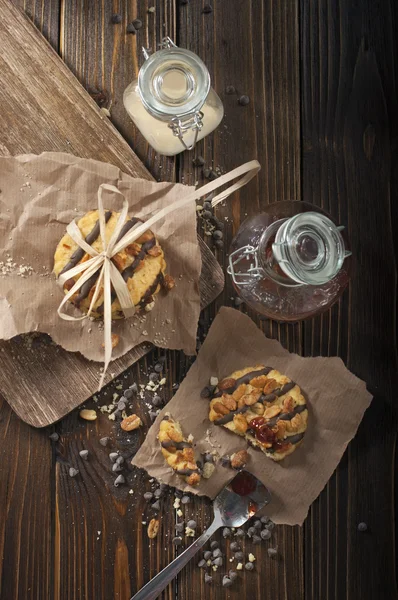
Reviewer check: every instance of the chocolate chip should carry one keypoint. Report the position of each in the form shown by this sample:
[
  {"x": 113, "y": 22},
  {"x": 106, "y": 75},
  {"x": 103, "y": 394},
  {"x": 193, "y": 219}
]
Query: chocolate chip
[
  {"x": 206, "y": 214},
  {"x": 116, "y": 468},
  {"x": 257, "y": 524},
  {"x": 207, "y": 205},
  {"x": 84, "y": 454},
  {"x": 212, "y": 175},
  {"x": 265, "y": 534},
  {"x": 148, "y": 496},
  {"x": 153, "y": 377},
  {"x": 157, "y": 493},
  {"x": 251, "y": 531},
  {"x": 208, "y": 458},
  {"x": 234, "y": 547},
  {"x": 270, "y": 525},
  {"x": 226, "y": 581},
  {"x": 156, "y": 505},
  {"x": 205, "y": 393},
  {"x": 256, "y": 539},
  {"x": 240, "y": 533},
  {"x": 207, "y": 555},
  {"x": 113, "y": 456},
  {"x": 272, "y": 552},
  {"x": 216, "y": 553},
  {"x": 119, "y": 460},
  {"x": 265, "y": 520},
  {"x": 134, "y": 388},
  {"x": 128, "y": 394},
  {"x": 238, "y": 301},
  {"x": 152, "y": 415},
  {"x": 249, "y": 566},
  {"x": 163, "y": 487},
  {"x": 230, "y": 90},
  {"x": 185, "y": 500},
  {"x": 362, "y": 527},
  {"x": 207, "y": 9},
  {"x": 116, "y": 19},
  {"x": 219, "y": 244},
  {"x": 225, "y": 461},
  {"x": 206, "y": 173},
  {"x": 178, "y": 493},
  {"x": 119, "y": 479},
  {"x": 214, "y": 545},
  {"x": 208, "y": 578},
  {"x": 191, "y": 524},
  {"x": 233, "y": 575},
  {"x": 137, "y": 23},
  {"x": 54, "y": 437},
  {"x": 131, "y": 29},
  {"x": 104, "y": 441},
  {"x": 202, "y": 564},
  {"x": 218, "y": 561},
  {"x": 156, "y": 400},
  {"x": 179, "y": 527},
  {"x": 158, "y": 368},
  {"x": 177, "y": 541},
  {"x": 217, "y": 234},
  {"x": 239, "y": 556},
  {"x": 199, "y": 161},
  {"x": 244, "y": 100},
  {"x": 226, "y": 532},
  {"x": 73, "y": 472}
]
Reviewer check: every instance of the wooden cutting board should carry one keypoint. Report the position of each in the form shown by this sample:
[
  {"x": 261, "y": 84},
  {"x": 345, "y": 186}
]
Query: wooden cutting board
[{"x": 44, "y": 107}]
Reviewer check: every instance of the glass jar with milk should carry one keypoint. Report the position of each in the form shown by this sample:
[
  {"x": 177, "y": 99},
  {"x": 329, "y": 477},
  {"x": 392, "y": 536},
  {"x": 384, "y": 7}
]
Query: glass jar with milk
[{"x": 171, "y": 102}]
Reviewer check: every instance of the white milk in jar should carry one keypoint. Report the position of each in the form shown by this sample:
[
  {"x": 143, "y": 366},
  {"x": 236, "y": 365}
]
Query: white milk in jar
[{"x": 171, "y": 102}]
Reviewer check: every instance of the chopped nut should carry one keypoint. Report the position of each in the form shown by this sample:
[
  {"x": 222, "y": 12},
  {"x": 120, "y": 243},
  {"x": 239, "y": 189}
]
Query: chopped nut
[
  {"x": 250, "y": 399},
  {"x": 168, "y": 282},
  {"x": 193, "y": 479},
  {"x": 145, "y": 237},
  {"x": 130, "y": 423},
  {"x": 239, "y": 459},
  {"x": 239, "y": 566},
  {"x": 226, "y": 383},
  {"x": 208, "y": 470},
  {"x": 259, "y": 382},
  {"x": 228, "y": 401},
  {"x": 132, "y": 249},
  {"x": 88, "y": 415},
  {"x": 69, "y": 283},
  {"x": 119, "y": 261},
  {"x": 239, "y": 392},
  {"x": 258, "y": 408},
  {"x": 288, "y": 404},
  {"x": 271, "y": 385},
  {"x": 155, "y": 251},
  {"x": 240, "y": 423},
  {"x": 115, "y": 340},
  {"x": 153, "y": 528},
  {"x": 220, "y": 408},
  {"x": 251, "y": 557},
  {"x": 271, "y": 412}
]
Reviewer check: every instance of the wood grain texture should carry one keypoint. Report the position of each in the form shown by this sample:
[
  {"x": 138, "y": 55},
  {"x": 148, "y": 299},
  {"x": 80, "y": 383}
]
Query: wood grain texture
[
  {"x": 45, "y": 15},
  {"x": 52, "y": 382},
  {"x": 254, "y": 47},
  {"x": 349, "y": 130},
  {"x": 25, "y": 508}
]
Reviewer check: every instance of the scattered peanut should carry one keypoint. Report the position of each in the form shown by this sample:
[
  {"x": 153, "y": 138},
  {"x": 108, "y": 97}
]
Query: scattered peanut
[
  {"x": 168, "y": 282},
  {"x": 88, "y": 415},
  {"x": 130, "y": 423},
  {"x": 226, "y": 383},
  {"x": 153, "y": 528},
  {"x": 239, "y": 459},
  {"x": 115, "y": 340}
]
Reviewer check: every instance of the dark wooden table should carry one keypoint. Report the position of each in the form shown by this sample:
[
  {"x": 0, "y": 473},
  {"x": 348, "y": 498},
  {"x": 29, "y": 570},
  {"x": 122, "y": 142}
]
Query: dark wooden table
[{"x": 322, "y": 120}]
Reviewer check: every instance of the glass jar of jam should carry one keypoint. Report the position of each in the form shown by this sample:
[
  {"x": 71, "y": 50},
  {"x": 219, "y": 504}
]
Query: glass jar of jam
[
  {"x": 172, "y": 102},
  {"x": 291, "y": 262}
]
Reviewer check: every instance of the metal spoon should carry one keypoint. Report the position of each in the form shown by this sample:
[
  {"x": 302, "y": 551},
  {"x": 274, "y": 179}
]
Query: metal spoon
[{"x": 231, "y": 509}]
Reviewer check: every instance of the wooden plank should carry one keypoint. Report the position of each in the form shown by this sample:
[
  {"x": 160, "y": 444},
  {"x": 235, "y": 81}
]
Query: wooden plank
[
  {"x": 254, "y": 47},
  {"x": 55, "y": 113},
  {"x": 25, "y": 508},
  {"x": 45, "y": 15},
  {"x": 349, "y": 109}
]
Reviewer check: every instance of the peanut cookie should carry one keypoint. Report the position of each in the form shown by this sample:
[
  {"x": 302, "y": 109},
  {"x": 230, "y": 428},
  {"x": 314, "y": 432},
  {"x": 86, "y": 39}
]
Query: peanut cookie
[
  {"x": 264, "y": 406},
  {"x": 178, "y": 451},
  {"x": 141, "y": 264}
]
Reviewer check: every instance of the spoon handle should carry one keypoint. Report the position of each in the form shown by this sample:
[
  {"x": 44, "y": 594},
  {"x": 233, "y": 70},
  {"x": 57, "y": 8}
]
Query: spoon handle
[{"x": 154, "y": 588}]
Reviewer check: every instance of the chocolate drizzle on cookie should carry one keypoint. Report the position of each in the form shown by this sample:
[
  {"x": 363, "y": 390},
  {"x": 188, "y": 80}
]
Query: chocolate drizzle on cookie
[
  {"x": 244, "y": 379},
  {"x": 229, "y": 417},
  {"x": 90, "y": 239},
  {"x": 287, "y": 416},
  {"x": 177, "y": 445},
  {"x": 278, "y": 392}
]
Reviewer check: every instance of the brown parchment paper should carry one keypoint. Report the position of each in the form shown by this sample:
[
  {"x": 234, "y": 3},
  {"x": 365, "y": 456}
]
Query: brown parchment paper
[
  {"x": 39, "y": 196},
  {"x": 336, "y": 400}
]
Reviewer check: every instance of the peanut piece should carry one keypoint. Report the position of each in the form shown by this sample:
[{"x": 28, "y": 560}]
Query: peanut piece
[
  {"x": 258, "y": 408},
  {"x": 228, "y": 401},
  {"x": 226, "y": 383},
  {"x": 155, "y": 251},
  {"x": 250, "y": 399},
  {"x": 193, "y": 479},
  {"x": 271, "y": 412},
  {"x": 288, "y": 404},
  {"x": 132, "y": 249},
  {"x": 130, "y": 423},
  {"x": 239, "y": 459},
  {"x": 240, "y": 423},
  {"x": 174, "y": 435},
  {"x": 259, "y": 382},
  {"x": 115, "y": 340},
  {"x": 88, "y": 415},
  {"x": 239, "y": 392},
  {"x": 146, "y": 236},
  {"x": 271, "y": 385},
  {"x": 153, "y": 528},
  {"x": 220, "y": 408},
  {"x": 168, "y": 282}
]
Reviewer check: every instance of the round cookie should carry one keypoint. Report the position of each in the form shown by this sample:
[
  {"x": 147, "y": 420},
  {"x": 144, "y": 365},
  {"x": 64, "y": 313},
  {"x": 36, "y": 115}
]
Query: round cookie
[
  {"x": 141, "y": 264},
  {"x": 264, "y": 406}
]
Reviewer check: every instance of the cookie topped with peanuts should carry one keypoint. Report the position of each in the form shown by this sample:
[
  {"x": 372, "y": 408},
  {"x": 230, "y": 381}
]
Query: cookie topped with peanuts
[
  {"x": 264, "y": 406},
  {"x": 178, "y": 450},
  {"x": 142, "y": 264}
]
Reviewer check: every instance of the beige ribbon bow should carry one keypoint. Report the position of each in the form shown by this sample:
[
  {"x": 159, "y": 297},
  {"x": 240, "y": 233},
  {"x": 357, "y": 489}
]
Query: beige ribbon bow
[{"x": 109, "y": 275}]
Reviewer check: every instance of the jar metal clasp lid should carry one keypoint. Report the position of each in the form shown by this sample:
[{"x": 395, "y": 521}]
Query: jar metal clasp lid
[{"x": 248, "y": 253}]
